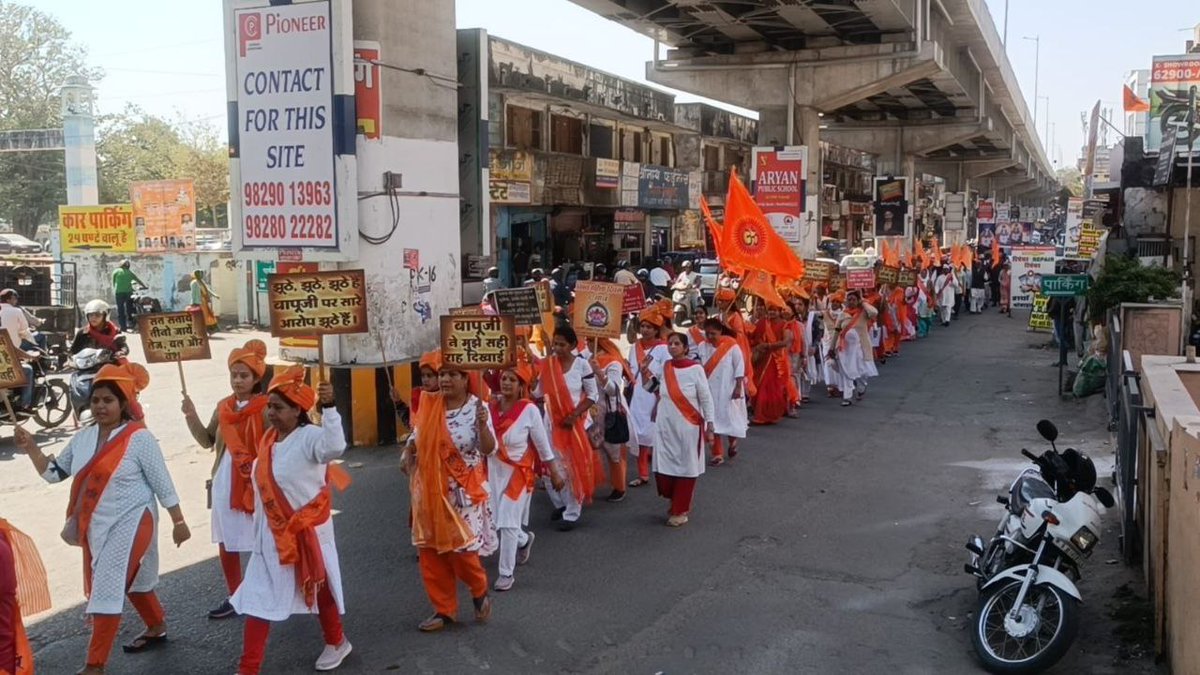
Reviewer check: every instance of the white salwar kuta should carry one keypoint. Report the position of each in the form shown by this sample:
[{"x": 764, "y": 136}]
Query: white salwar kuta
[
  {"x": 944, "y": 287},
  {"x": 231, "y": 528},
  {"x": 730, "y": 417},
  {"x": 612, "y": 399},
  {"x": 641, "y": 407},
  {"x": 269, "y": 590},
  {"x": 581, "y": 383},
  {"x": 855, "y": 359},
  {"x": 679, "y": 444},
  {"x": 139, "y": 480},
  {"x": 512, "y": 513}
]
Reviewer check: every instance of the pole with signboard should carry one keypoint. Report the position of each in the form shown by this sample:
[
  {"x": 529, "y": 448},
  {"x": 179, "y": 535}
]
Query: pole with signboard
[{"x": 1063, "y": 286}]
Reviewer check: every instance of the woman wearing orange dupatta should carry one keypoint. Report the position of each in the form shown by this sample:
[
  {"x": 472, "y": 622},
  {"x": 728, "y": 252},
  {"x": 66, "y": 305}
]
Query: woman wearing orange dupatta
[
  {"x": 24, "y": 591},
  {"x": 236, "y": 427},
  {"x": 776, "y": 388},
  {"x": 450, "y": 496},
  {"x": 612, "y": 376},
  {"x": 733, "y": 319},
  {"x": 646, "y": 359},
  {"x": 685, "y": 424},
  {"x": 568, "y": 385}
]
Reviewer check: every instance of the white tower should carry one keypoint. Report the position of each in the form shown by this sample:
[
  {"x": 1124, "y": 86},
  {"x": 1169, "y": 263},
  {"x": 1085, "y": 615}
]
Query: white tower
[{"x": 79, "y": 138}]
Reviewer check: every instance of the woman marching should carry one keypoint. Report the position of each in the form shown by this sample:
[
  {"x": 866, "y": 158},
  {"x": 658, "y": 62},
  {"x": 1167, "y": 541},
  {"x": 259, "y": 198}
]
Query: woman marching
[
  {"x": 568, "y": 385},
  {"x": 202, "y": 297},
  {"x": 646, "y": 359},
  {"x": 726, "y": 373},
  {"x": 853, "y": 347},
  {"x": 772, "y": 365},
  {"x": 294, "y": 566},
  {"x": 451, "y": 501},
  {"x": 118, "y": 473},
  {"x": 612, "y": 375},
  {"x": 521, "y": 433},
  {"x": 236, "y": 427},
  {"x": 685, "y": 414}
]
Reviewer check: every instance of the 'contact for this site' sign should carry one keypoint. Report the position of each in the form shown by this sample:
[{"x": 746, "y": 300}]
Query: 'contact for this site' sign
[{"x": 284, "y": 67}]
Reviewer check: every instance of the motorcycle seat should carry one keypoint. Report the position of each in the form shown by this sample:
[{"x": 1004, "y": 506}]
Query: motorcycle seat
[{"x": 1028, "y": 487}]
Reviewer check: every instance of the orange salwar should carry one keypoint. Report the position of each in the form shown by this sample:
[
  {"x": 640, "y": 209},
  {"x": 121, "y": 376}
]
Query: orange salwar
[{"x": 439, "y": 572}]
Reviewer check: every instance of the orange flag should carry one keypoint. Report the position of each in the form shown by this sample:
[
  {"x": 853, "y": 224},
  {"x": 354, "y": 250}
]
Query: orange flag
[
  {"x": 885, "y": 251},
  {"x": 714, "y": 228},
  {"x": 748, "y": 240},
  {"x": 937, "y": 253},
  {"x": 995, "y": 252},
  {"x": 1133, "y": 103},
  {"x": 968, "y": 255},
  {"x": 758, "y": 282},
  {"x": 904, "y": 256},
  {"x": 922, "y": 255}
]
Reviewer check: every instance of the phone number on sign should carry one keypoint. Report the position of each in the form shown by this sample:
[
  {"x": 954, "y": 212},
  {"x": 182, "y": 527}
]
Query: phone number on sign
[
  {"x": 289, "y": 227},
  {"x": 1177, "y": 73},
  {"x": 301, "y": 193}
]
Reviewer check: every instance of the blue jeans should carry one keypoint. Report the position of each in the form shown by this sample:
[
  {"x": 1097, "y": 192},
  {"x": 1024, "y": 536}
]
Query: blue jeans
[{"x": 27, "y": 390}]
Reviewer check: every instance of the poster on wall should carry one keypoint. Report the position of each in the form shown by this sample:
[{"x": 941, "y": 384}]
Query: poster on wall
[
  {"x": 1074, "y": 226},
  {"x": 107, "y": 228},
  {"x": 164, "y": 215},
  {"x": 1029, "y": 265},
  {"x": 1003, "y": 224},
  {"x": 368, "y": 100},
  {"x": 891, "y": 206},
  {"x": 956, "y": 212},
  {"x": 985, "y": 221},
  {"x": 1171, "y": 80},
  {"x": 510, "y": 176},
  {"x": 779, "y": 185},
  {"x": 294, "y": 181}
]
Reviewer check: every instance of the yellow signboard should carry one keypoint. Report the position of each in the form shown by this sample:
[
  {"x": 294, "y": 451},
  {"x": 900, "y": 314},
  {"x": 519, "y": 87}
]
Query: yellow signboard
[{"x": 97, "y": 228}]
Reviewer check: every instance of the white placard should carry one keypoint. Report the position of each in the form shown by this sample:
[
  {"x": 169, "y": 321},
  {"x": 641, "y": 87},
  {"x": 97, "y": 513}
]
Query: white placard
[{"x": 284, "y": 81}]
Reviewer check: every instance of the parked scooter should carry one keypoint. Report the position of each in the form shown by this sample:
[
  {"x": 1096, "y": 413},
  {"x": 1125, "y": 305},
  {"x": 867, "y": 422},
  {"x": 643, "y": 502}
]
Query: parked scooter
[
  {"x": 51, "y": 403},
  {"x": 1028, "y": 611},
  {"x": 84, "y": 366}
]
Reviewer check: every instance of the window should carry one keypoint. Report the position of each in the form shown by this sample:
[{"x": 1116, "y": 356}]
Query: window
[
  {"x": 600, "y": 141},
  {"x": 631, "y": 145},
  {"x": 712, "y": 158},
  {"x": 566, "y": 134},
  {"x": 524, "y": 128},
  {"x": 664, "y": 151}
]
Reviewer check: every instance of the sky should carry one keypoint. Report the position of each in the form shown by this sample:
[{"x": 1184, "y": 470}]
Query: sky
[{"x": 168, "y": 58}]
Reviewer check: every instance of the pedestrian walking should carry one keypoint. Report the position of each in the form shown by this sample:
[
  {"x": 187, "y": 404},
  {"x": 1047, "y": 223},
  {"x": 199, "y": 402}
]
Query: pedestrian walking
[
  {"x": 568, "y": 385},
  {"x": 294, "y": 566},
  {"x": 234, "y": 431},
  {"x": 685, "y": 424},
  {"x": 854, "y": 356},
  {"x": 119, "y": 478},
  {"x": 646, "y": 359},
  {"x": 613, "y": 375},
  {"x": 725, "y": 370}
]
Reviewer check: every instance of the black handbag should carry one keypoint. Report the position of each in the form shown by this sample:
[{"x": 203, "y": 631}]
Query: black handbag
[{"x": 616, "y": 425}]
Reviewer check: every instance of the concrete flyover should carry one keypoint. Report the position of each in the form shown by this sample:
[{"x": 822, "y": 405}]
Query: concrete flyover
[{"x": 923, "y": 84}]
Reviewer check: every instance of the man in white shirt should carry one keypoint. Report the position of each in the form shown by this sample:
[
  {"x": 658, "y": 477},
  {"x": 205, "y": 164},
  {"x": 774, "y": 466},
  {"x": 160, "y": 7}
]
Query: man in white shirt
[
  {"x": 659, "y": 277},
  {"x": 12, "y": 319},
  {"x": 624, "y": 276}
]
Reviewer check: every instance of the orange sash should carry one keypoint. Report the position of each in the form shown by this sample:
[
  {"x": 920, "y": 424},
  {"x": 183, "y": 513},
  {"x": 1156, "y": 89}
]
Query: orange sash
[
  {"x": 241, "y": 429},
  {"x": 436, "y": 523},
  {"x": 33, "y": 591},
  {"x": 797, "y": 331},
  {"x": 724, "y": 345},
  {"x": 738, "y": 325},
  {"x": 523, "y": 476},
  {"x": 681, "y": 402},
  {"x": 641, "y": 351},
  {"x": 89, "y": 484},
  {"x": 855, "y": 315},
  {"x": 572, "y": 444},
  {"x": 294, "y": 530}
]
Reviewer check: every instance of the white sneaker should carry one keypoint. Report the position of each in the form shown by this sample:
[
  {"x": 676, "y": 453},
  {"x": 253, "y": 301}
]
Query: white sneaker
[{"x": 332, "y": 656}]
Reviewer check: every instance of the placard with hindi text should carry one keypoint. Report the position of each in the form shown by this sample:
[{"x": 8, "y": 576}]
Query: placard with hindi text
[
  {"x": 174, "y": 336},
  {"x": 479, "y": 342},
  {"x": 326, "y": 303},
  {"x": 12, "y": 375}
]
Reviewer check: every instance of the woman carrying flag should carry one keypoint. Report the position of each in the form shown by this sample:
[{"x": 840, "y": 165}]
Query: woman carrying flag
[{"x": 685, "y": 423}]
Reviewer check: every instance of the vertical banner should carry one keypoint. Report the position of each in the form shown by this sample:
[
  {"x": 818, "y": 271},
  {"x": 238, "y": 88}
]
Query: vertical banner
[
  {"x": 891, "y": 206},
  {"x": 1074, "y": 226},
  {"x": 1003, "y": 224},
  {"x": 164, "y": 215},
  {"x": 779, "y": 185},
  {"x": 1029, "y": 265},
  {"x": 368, "y": 100},
  {"x": 985, "y": 220}
]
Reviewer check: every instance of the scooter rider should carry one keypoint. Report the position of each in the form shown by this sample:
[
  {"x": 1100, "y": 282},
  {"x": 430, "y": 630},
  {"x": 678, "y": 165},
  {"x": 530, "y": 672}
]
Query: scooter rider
[
  {"x": 99, "y": 332},
  {"x": 687, "y": 284}
]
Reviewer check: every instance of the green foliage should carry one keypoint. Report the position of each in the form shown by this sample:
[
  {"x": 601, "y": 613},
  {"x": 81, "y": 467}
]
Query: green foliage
[
  {"x": 1124, "y": 279},
  {"x": 1070, "y": 178}
]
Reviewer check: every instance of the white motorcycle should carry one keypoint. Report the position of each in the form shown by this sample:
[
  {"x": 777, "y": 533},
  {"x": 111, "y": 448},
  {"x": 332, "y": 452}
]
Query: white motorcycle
[{"x": 1028, "y": 611}]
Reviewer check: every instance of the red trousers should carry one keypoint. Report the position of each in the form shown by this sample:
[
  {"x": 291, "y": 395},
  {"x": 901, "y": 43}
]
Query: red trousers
[
  {"x": 231, "y": 567},
  {"x": 439, "y": 571},
  {"x": 645, "y": 454},
  {"x": 678, "y": 490},
  {"x": 105, "y": 626},
  {"x": 256, "y": 631}
]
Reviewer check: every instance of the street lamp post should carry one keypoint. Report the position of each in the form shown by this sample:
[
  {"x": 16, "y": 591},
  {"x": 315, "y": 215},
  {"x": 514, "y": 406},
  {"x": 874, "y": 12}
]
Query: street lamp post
[
  {"x": 1005, "y": 41},
  {"x": 1037, "y": 57}
]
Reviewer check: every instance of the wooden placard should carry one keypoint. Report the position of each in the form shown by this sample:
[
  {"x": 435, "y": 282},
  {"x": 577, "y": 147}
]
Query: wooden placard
[
  {"x": 326, "y": 303},
  {"x": 860, "y": 279},
  {"x": 907, "y": 278},
  {"x": 598, "y": 309},
  {"x": 174, "y": 336},
  {"x": 837, "y": 283},
  {"x": 519, "y": 303},
  {"x": 888, "y": 275},
  {"x": 479, "y": 342},
  {"x": 12, "y": 375},
  {"x": 818, "y": 271}
]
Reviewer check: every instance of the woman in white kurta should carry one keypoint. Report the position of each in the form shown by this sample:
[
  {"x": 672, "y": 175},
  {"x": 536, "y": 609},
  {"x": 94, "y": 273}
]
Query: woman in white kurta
[
  {"x": 612, "y": 376},
  {"x": 684, "y": 424},
  {"x": 646, "y": 359},
  {"x": 831, "y": 309},
  {"x": 120, "y": 477},
  {"x": 854, "y": 362},
  {"x": 568, "y": 385},
  {"x": 294, "y": 567},
  {"x": 726, "y": 371},
  {"x": 521, "y": 433},
  {"x": 233, "y": 433}
]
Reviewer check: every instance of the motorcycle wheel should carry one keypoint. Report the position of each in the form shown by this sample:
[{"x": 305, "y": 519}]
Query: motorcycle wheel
[
  {"x": 1054, "y": 617},
  {"x": 54, "y": 409}
]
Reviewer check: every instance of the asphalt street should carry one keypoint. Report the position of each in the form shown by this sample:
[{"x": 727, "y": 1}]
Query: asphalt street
[{"x": 833, "y": 543}]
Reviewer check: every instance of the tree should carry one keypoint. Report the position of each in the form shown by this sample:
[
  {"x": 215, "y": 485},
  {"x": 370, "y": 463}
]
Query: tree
[
  {"x": 136, "y": 146},
  {"x": 36, "y": 57},
  {"x": 1070, "y": 178},
  {"x": 1125, "y": 279}
]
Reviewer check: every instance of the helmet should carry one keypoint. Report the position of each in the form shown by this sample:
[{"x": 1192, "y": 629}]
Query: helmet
[
  {"x": 687, "y": 264},
  {"x": 493, "y": 271},
  {"x": 643, "y": 274},
  {"x": 537, "y": 272},
  {"x": 622, "y": 264},
  {"x": 96, "y": 307}
]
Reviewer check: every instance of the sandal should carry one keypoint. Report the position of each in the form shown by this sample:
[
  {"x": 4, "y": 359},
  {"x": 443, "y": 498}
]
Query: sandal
[
  {"x": 434, "y": 623},
  {"x": 638, "y": 482},
  {"x": 846, "y": 404},
  {"x": 733, "y": 450},
  {"x": 716, "y": 461},
  {"x": 143, "y": 643},
  {"x": 483, "y": 609}
]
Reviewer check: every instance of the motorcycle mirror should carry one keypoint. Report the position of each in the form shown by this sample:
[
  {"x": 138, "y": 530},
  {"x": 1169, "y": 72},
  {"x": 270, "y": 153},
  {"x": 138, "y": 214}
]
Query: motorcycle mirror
[
  {"x": 1048, "y": 431},
  {"x": 1105, "y": 497}
]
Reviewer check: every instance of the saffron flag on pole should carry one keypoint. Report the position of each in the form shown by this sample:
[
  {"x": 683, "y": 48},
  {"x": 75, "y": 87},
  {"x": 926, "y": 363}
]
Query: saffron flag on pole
[
  {"x": 995, "y": 252},
  {"x": 758, "y": 282},
  {"x": 1134, "y": 104},
  {"x": 748, "y": 239},
  {"x": 937, "y": 253}
]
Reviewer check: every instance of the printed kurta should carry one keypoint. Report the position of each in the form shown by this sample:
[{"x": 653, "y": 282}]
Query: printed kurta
[
  {"x": 730, "y": 417},
  {"x": 269, "y": 590},
  {"x": 641, "y": 408},
  {"x": 138, "y": 481},
  {"x": 679, "y": 444},
  {"x": 526, "y": 430}
]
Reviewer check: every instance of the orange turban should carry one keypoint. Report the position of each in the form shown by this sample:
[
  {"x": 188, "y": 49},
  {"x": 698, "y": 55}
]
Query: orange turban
[
  {"x": 523, "y": 371},
  {"x": 290, "y": 385},
  {"x": 253, "y": 354},
  {"x": 840, "y": 296},
  {"x": 432, "y": 360},
  {"x": 726, "y": 295},
  {"x": 658, "y": 314},
  {"x": 131, "y": 378}
]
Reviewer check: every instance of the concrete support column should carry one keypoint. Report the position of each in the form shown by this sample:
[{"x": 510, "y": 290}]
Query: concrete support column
[
  {"x": 809, "y": 121},
  {"x": 773, "y": 125}
]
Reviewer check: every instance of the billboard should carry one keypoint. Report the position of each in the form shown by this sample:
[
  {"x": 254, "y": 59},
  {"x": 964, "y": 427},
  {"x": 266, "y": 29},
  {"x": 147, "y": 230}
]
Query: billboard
[
  {"x": 107, "y": 228},
  {"x": 1171, "y": 80},
  {"x": 779, "y": 185},
  {"x": 891, "y": 206},
  {"x": 164, "y": 215},
  {"x": 1029, "y": 265}
]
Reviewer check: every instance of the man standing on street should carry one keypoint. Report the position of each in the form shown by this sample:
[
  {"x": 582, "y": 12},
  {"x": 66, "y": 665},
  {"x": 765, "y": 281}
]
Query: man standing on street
[
  {"x": 624, "y": 276},
  {"x": 122, "y": 280}
]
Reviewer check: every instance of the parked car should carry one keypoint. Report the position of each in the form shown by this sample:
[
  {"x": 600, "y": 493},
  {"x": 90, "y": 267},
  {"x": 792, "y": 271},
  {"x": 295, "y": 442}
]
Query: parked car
[
  {"x": 709, "y": 270},
  {"x": 15, "y": 243}
]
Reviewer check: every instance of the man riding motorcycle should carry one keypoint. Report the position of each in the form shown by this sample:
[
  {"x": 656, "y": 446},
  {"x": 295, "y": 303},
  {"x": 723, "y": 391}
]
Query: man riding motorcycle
[{"x": 686, "y": 289}]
